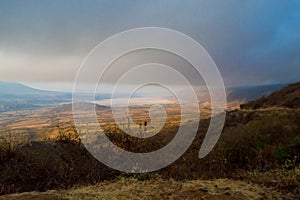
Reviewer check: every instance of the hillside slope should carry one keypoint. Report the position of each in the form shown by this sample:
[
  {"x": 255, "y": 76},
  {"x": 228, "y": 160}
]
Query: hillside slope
[
  {"x": 288, "y": 97},
  {"x": 251, "y": 93}
]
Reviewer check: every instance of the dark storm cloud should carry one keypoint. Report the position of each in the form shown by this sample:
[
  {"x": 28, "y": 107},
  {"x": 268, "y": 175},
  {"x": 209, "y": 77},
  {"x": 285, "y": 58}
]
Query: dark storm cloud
[{"x": 252, "y": 42}]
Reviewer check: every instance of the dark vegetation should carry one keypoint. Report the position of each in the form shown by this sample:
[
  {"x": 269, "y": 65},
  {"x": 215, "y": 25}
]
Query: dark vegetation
[
  {"x": 42, "y": 166},
  {"x": 261, "y": 146}
]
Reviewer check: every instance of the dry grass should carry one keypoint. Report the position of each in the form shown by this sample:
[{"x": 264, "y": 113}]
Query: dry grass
[
  {"x": 158, "y": 189},
  {"x": 280, "y": 179}
]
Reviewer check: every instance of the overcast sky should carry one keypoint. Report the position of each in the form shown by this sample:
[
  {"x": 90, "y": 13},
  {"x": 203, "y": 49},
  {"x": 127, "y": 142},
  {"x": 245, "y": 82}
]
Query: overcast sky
[{"x": 42, "y": 43}]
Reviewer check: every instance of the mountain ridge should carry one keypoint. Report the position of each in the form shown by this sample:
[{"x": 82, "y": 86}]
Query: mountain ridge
[{"x": 16, "y": 87}]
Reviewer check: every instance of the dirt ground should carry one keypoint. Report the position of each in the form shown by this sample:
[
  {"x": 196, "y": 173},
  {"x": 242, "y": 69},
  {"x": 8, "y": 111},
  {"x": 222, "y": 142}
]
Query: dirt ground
[{"x": 157, "y": 189}]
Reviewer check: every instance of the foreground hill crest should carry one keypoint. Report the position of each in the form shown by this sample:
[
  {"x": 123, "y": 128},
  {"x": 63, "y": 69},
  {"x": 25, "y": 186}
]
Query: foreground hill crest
[{"x": 288, "y": 97}]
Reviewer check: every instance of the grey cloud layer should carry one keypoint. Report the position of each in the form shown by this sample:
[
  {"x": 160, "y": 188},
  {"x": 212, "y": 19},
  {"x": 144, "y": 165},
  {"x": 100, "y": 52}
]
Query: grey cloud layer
[{"x": 251, "y": 41}]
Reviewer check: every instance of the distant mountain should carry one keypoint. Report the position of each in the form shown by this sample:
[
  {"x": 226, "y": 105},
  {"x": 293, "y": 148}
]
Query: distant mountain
[
  {"x": 16, "y": 96},
  {"x": 12, "y": 88},
  {"x": 288, "y": 96}
]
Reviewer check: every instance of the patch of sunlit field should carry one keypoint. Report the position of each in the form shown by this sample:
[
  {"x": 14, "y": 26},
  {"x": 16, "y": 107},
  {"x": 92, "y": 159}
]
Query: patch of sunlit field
[{"x": 49, "y": 123}]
